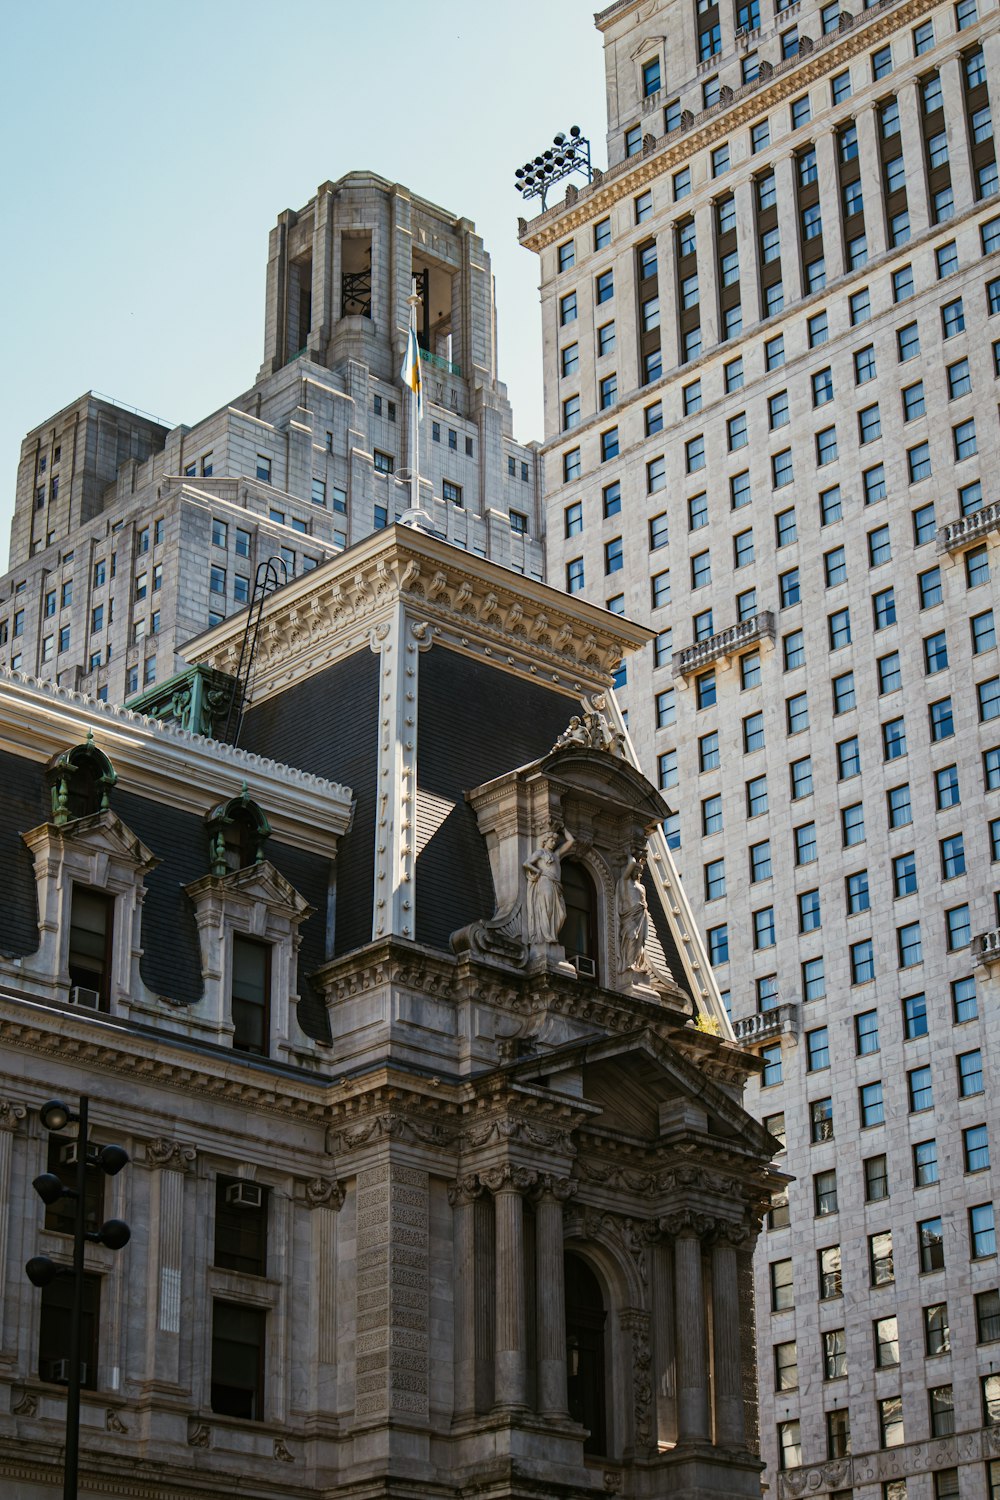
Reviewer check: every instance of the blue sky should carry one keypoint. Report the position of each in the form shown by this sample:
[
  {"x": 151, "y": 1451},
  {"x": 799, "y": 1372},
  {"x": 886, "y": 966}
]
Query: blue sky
[{"x": 150, "y": 147}]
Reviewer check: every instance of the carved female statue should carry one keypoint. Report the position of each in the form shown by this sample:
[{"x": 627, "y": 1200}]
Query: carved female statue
[
  {"x": 546, "y": 906},
  {"x": 633, "y": 917}
]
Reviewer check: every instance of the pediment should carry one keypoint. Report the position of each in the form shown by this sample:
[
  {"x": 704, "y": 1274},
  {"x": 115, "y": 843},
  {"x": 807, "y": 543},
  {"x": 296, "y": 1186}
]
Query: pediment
[
  {"x": 101, "y": 833},
  {"x": 647, "y": 46},
  {"x": 631, "y": 1078},
  {"x": 258, "y": 884},
  {"x": 601, "y": 774}
]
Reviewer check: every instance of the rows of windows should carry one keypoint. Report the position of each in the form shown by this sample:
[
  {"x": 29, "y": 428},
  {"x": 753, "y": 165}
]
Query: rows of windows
[
  {"x": 952, "y": 314},
  {"x": 746, "y": 19}
]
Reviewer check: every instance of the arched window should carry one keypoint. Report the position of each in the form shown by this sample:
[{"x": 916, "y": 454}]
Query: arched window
[
  {"x": 585, "y": 1354},
  {"x": 578, "y": 934},
  {"x": 81, "y": 780},
  {"x": 238, "y": 830}
]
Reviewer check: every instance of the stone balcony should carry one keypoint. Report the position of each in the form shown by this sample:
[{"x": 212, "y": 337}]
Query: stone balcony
[
  {"x": 724, "y": 644},
  {"x": 986, "y": 948},
  {"x": 768, "y": 1026},
  {"x": 958, "y": 534}
]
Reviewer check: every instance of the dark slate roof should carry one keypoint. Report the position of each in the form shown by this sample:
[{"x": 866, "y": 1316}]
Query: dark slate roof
[
  {"x": 26, "y": 803},
  {"x": 328, "y": 724},
  {"x": 476, "y": 722},
  {"x": 171, "y": 956}
]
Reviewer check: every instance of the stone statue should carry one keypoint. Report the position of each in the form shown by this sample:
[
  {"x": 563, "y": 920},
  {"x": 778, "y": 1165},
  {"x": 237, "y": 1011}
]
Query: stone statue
[
  {"x": 546, "y": 905},
  {"x": 633, "y": 917},
  {"x": 573, "y": 734}
]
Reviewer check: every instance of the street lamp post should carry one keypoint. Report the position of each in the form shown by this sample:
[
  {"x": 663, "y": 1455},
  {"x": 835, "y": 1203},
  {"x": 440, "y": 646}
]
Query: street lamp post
[{"x": 41, "y": 1271}]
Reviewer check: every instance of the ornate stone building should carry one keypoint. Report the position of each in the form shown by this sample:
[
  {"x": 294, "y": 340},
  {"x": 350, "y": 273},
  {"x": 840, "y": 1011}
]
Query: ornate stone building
[{"x": 440, "y": 1182}]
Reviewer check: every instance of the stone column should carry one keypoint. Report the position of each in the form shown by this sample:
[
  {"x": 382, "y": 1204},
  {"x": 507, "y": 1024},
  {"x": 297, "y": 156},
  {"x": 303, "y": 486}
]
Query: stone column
[
  {"x": 708, "y": 275},
  {"x": 953, "y": 91},
  {"x": 462, "y": 1196},
  {"x": 786, "y": 187},
  {"x": 830, "y": 198},
  {"x": 729, "y": 1424},
  {"x": 749, "y": 251},
  {"x": 551, "y": 1296},
  {"x": 171, "y": 1159},
  {"x": 508, "y": 1185},
  {"x": 666, "y": 283},
  {"x": 11, "y": 1115},
  {"x": 690, "y": 1329},
  {"x": 912, "y": 142},
  {"x": 871, "y": 174},
  {"x": 663, "y": 1342}
]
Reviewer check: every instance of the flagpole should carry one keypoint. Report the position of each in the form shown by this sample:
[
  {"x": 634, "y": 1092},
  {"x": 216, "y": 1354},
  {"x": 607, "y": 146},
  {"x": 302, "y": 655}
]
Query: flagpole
[{"x": 414, "y": 301}]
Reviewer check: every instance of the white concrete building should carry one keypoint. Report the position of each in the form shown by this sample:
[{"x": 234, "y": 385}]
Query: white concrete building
[
  {"x": 129, "y": 537},
  {"x": 771, "y": 342}
]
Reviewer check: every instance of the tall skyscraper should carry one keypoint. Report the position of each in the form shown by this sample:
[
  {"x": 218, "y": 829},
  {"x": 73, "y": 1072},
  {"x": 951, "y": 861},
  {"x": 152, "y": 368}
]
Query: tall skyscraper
[
  {"x": 770, "y": 425},
  {"x": 130, "y": 537}
]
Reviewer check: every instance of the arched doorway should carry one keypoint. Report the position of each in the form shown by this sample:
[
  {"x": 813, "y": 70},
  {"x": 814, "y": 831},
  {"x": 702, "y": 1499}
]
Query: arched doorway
[
  {"x": 585, "y": 1352},
  {"x": 578, "y": 933}
]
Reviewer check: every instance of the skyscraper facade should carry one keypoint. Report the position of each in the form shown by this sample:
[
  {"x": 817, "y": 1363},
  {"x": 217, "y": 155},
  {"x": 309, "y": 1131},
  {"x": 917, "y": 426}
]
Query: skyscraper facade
[
  {"x": 130, "y": 536},
  {"x": 770, "y": 426}
]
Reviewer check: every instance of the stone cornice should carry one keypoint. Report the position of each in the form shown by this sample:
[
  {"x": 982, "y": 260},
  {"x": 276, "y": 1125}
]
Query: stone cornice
[
  {"x": 459, "y": 600},
  {"x": 40, "y": 719},
  {"x": 751, "y": 101}
]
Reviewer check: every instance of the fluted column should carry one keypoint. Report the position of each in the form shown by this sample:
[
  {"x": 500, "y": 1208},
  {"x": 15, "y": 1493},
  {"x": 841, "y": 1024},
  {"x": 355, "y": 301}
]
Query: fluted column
[
  {"x": 171, "y": 1160},
  {"x": 729, "y": 1424},
  {"x": 690, "y": 1331},
  {"x": 551, "y": 1296},
  {"x": 462, "y": 1196},
  {"x": 11, "y": 1115},
  {"x": 508, "y": 1185}
]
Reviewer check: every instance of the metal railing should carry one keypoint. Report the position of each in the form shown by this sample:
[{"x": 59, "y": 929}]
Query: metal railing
[{"x": 437, "y": 363}]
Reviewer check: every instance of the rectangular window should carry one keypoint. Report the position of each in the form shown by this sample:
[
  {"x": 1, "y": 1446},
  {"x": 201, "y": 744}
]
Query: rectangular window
[
  {"x": 876, "y": 1176},
  {"x": 982, "y": 1235},
  {"x": 251, "y": 989},
  {"x": 880, "y": 1258},
  {"x": 238, "y": 1341}
]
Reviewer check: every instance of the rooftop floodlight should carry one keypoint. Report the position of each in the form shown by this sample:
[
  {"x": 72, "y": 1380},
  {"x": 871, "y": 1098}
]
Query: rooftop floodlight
[
  {"x": 41, "y": 1271},
  {"x": 114, "y": 1233},
  {"x": 111, "y": 1159},
  {"x": 54, "y": 1115},
  {"x": 566, "y": 154},
  {"x": 50, "y": 1189}
]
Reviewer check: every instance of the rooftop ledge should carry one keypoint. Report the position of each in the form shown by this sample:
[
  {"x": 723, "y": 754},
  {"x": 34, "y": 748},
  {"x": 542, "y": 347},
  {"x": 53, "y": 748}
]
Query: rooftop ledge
[
  {"x": 958, "y": 534},
  {"x": 986, "y": 948},
  {"x": 768, "y": 1026},
  {"x": 724, "y": 644},
  {"x": 658, "y": 154}
]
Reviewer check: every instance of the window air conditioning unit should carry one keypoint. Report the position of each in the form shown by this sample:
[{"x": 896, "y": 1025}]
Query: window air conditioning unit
[
  {"x": 584, "y": 966},
  {"x": 85, "y": 999},
  {"x": 58, "y": 1372},
  {"x": 245, "y": 1194},
  {"x": 741, "y": 31}
]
